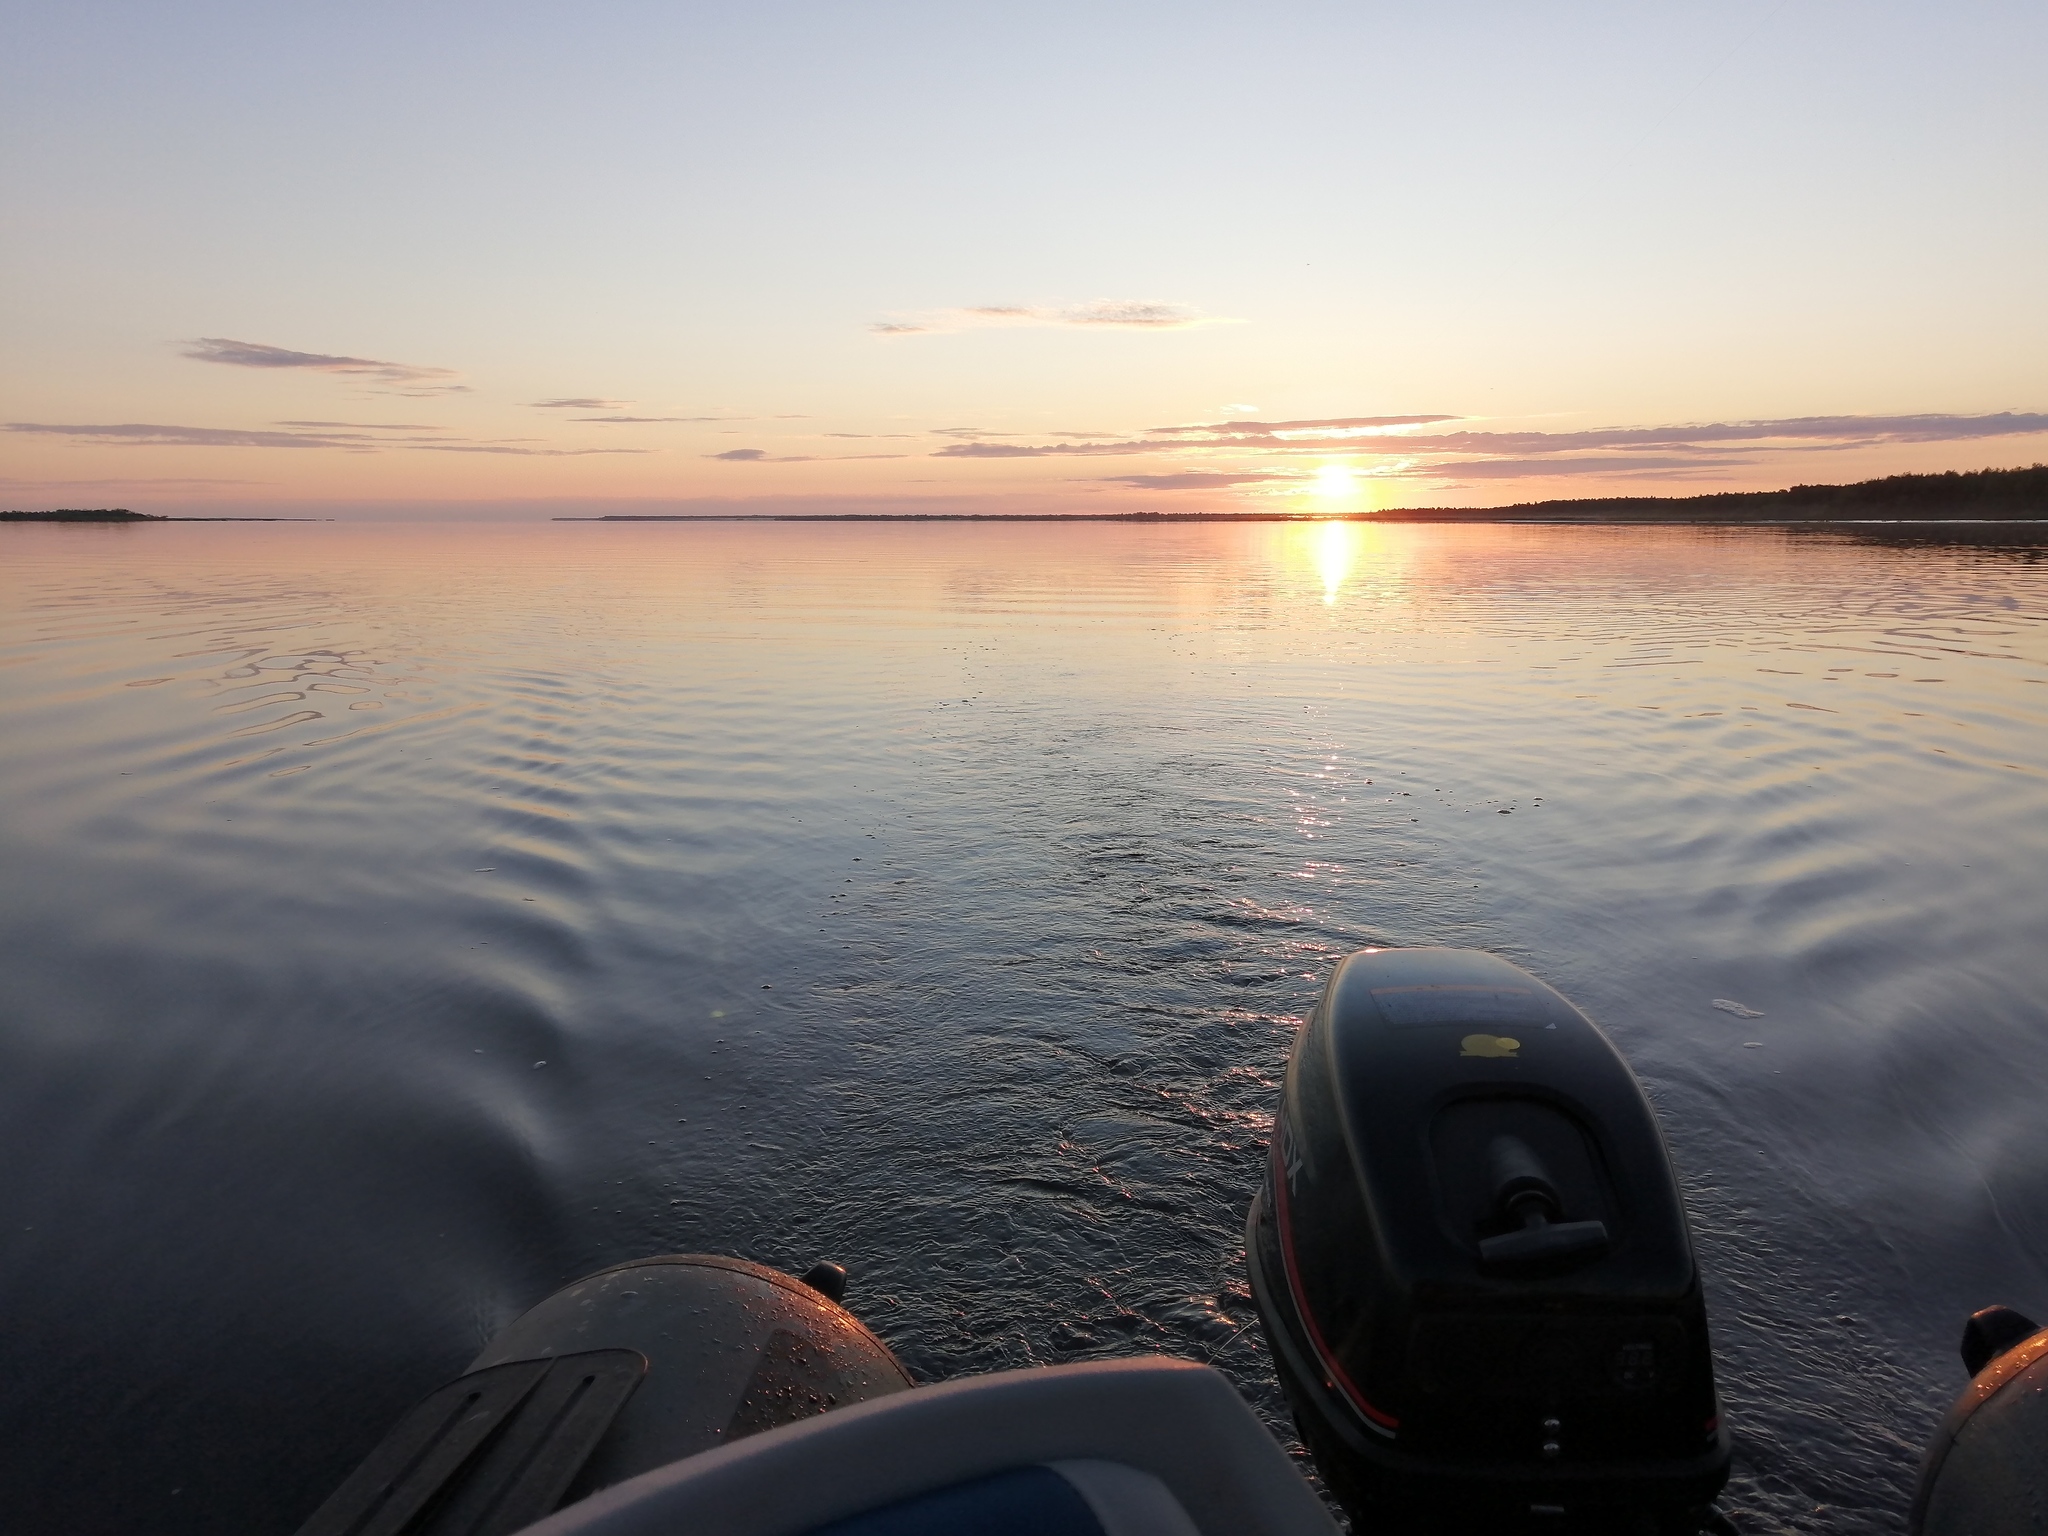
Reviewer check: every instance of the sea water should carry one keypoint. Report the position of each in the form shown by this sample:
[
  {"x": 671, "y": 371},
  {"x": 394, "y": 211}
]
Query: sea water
[{"x": 399, "y": 921}]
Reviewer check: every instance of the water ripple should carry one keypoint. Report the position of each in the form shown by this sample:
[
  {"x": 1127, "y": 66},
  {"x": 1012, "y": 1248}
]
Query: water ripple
[{"x": 945, "y": 900}]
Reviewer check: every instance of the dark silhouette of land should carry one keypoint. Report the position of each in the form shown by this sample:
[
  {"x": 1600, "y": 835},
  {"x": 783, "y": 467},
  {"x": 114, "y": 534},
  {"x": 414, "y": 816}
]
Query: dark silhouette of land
[
  {"x": 123, "y": 515},
  {"x": 1984, "y": 495},
  {"x": 83, "y": 515},
  {"x": 2000, "y": 495}
]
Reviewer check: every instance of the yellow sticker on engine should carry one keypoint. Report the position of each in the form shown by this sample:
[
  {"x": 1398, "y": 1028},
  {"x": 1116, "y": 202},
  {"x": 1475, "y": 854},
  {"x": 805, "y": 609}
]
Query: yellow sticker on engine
[{"x": 1489, "y": 1045}]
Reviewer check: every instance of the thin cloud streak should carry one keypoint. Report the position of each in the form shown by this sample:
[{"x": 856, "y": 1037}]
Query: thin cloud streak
[
  {"x": 579, "y": 403},
  {"x": 1101, "y": 314},
  {"x": 1707, "y": 444},
  {"x": 536, "y": 453},
  {"x": 135, "y": 434},
  {"x": 1334, "y": 425},
  {"x": 1829, "y": 431},
  {"x": 172, "y": 483},
  {"x": 1198, "y": 480},
  {"x": 256, "y": 354},
  {"x": 139, "y": 434},
  {"x": 366, "y": 426},
  {"x": 980, "y": 450},
  {"x": 763, "y": 456},
  {"x": 1518, "y": 469}
]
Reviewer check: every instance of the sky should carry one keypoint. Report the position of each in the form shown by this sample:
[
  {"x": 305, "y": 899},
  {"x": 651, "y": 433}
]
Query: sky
[{"x": 455, "y": 260}]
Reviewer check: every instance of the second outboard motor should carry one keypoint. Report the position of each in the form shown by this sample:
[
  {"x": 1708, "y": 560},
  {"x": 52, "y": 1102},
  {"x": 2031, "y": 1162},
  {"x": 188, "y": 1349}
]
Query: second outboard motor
[
  {"x": 1985, "y": 1473},
  {"x": 1472, "y": 1265}
]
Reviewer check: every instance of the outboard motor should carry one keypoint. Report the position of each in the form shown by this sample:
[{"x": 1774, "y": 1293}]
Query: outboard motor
[
  {"x": 1472, "y": 1265},
  {"x": 619, "y": 1373},
  {"x": 1986, "y": 1470}
]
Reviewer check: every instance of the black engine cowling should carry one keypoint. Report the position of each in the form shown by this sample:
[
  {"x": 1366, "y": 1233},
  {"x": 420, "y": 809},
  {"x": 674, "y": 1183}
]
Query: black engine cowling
[{"x": 1472, "y": 1263}]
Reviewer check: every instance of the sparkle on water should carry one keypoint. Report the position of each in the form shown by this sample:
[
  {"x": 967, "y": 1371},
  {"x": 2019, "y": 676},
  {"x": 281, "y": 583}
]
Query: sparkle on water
[{"x": 401, "y": 921}]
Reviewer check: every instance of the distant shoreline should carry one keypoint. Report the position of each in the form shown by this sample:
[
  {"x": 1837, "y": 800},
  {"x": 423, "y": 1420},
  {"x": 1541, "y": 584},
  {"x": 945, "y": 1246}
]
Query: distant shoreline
[
  {"x": 1975, "y": 497},
  {"x": 123, "y": 515},
  {"x": 1475, "y": 515}
]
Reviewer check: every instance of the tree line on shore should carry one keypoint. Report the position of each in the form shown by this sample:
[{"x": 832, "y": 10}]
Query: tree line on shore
[
  {"x": 2000, "y": 494},
  {"x": 83, "y": 515}
]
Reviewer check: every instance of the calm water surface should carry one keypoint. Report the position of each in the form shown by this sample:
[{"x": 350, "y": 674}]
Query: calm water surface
[{"x": 400, "y": 921}]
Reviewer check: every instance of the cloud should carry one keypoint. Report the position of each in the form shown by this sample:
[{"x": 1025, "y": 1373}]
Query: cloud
[
  {"x": 978, "y": 450},
  {"x": 1825, "y": 432},
  {"x": 1328, "y": 427},
  {"x": 651, "y": 420},
  {"x": 579, "y": 403},
  {"x": 1596, "y": 464},
  {"x": 836, "y": 504},
  {"x": 1196, "y": 480},
  {"x": 763, "y": 456},
  {"x": 1100, "y": 314},
  {"x": 537, "y": 453},
  {"x": 168, "y": 483},
  {"x": 255, "y": 354},
  {"x": 366, "y": 426},
  {"x": 1602, "y": 450},
  {"x": 134, "y": 434},
  {"x": 145, "y": 434}
]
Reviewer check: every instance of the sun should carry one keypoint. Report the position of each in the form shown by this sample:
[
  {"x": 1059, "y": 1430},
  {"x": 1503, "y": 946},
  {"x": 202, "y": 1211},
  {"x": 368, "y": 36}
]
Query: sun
[{"x": 1335, "y": 480}]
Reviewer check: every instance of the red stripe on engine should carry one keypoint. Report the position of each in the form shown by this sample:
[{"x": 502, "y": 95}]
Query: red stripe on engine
[{"x": 1324, "y": 1356}]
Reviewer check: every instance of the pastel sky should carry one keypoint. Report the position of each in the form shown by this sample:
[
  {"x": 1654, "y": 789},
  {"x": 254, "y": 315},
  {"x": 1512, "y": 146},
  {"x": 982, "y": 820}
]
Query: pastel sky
[{"x": 515, "y": 259}]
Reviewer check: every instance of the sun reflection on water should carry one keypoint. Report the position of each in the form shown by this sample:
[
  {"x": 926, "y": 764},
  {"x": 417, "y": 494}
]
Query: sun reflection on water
[{"x": 1336, "y": 548}]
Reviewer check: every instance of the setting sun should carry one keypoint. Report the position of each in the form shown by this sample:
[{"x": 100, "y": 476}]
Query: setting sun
[{"x": 1335, "y": 481}]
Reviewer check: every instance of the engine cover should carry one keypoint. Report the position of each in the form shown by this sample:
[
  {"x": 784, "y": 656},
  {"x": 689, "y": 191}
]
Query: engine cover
[{"x": 1471, "y": 1260}]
